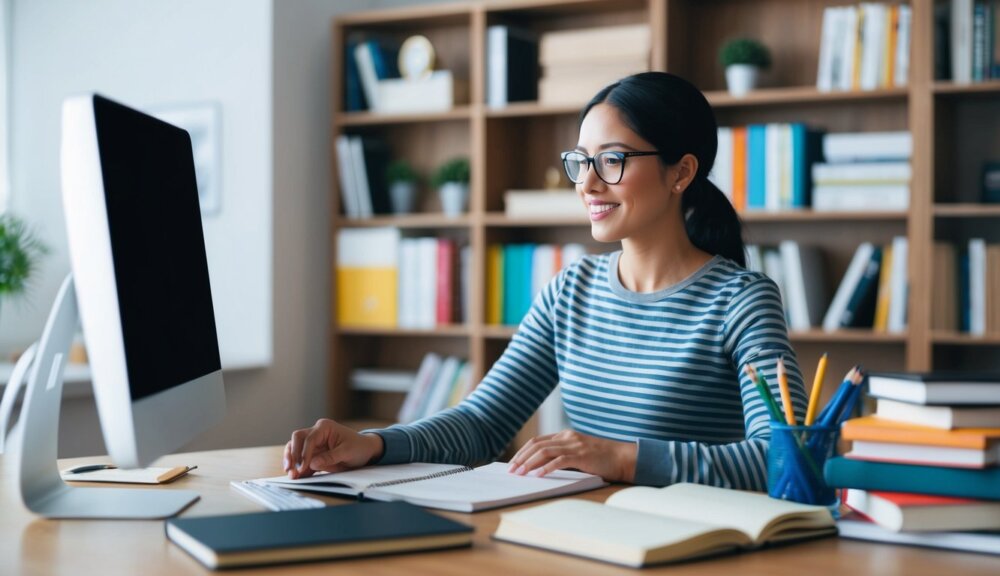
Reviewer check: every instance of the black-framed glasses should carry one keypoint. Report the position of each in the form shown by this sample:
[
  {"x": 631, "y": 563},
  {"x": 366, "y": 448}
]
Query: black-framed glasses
[{"x": 610, "y": 165}]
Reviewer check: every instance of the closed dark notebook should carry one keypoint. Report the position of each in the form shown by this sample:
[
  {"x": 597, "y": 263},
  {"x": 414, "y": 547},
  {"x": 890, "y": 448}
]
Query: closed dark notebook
[{"x": 321, "y": 533}]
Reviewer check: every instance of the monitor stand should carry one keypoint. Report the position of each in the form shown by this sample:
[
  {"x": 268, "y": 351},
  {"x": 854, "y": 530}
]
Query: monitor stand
[{"x": 42, "y": 488}]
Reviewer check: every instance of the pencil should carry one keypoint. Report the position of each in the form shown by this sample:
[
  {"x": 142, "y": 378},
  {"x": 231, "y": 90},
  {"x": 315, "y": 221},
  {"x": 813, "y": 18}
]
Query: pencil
[
  {"x": 765, "y": 394},
  {"x": 786, "y": 396},
  {"x": 814, "y": 394}
]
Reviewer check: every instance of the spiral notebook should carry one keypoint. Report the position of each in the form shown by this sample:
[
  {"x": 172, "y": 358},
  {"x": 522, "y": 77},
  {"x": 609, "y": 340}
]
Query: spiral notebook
[{"x": 444, "y": 486}]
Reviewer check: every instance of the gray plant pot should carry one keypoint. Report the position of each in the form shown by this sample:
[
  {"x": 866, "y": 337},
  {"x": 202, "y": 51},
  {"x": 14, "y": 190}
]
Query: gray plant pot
[
  {"x": 454, "y": 198},
  {"x": 403, "y": 197}
]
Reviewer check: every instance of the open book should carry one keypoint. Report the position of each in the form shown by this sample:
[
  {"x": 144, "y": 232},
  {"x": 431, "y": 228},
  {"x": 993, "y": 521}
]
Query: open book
[
  {"x": 641, "y": 526},
  {"x": 445, "y": 486}
]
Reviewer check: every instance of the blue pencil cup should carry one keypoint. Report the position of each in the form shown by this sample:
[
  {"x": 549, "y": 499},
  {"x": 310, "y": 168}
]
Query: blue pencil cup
[{"x": 795, "y": 463}]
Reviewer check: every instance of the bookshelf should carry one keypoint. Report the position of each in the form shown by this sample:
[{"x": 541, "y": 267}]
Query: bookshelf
[{"x": 954, "y": 129}]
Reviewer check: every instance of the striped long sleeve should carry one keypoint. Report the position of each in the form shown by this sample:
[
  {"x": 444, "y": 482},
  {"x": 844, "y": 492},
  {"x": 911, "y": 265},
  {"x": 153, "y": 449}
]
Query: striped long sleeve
[{"x": 662, "y": 369}]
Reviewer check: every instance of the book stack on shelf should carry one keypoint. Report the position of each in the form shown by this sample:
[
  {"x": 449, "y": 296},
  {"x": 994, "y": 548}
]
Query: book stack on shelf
[
  {"x": 966, "y": 287},
  {"x": 863, "y": 171},
  {"x": 864, "y": 47},
  {"x": 511, "y": 65},
  {"x": 516, "y": 273},
  {"x": 926, "y": 462},
  {"x": 361, "y": 164},
  {"x": 968, "y": 37},
  {"x": 385, "y": 280},
  {"x": 766, "y": 167},
  {"x": 441, "y": 382},
  {"x": 577, "y": 63}
]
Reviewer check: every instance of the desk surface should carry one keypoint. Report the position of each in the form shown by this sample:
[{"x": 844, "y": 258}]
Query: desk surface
[{"x": 31, "y": 545}]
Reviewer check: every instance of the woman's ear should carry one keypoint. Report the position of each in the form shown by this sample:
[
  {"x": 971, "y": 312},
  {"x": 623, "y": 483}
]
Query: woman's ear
[{"x": 684, "y": 172}]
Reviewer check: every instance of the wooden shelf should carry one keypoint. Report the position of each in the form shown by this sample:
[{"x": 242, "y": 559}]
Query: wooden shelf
[
  {"x": 802, "y": 95},
  {"x": 813, "y": 216},
  {"x": 501, "y": 220},
  {"x": 350, "y": 119},
  {"x": 494, "y": 332},
  {"x": 848, "y": 336},
  {"x": 525, "y": 109},
  {"x": 970, "y": 210},
  {"x": 943, "y": 88},
  {"x": 431, "y": 220},
  {"x": 963, "y": 339},
  {"x": 444, "y": 331}
]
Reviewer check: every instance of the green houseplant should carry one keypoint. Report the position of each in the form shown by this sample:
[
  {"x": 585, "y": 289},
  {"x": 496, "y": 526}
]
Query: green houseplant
[
  {"x": 20, "y": 252},
  {"x": 742, "y": 59},
  {"x": 402, "y": 179},
  {"x": 452, "y": 181}
]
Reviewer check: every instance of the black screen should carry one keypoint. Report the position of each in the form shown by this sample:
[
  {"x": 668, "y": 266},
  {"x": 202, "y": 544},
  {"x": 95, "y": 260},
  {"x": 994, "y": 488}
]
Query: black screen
[{"x": 161, "y": 271}]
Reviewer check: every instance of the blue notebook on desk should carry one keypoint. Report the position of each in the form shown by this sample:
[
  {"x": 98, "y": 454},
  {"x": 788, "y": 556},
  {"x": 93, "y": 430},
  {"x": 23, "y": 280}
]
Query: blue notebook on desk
[{"x": 317, "y": 534}]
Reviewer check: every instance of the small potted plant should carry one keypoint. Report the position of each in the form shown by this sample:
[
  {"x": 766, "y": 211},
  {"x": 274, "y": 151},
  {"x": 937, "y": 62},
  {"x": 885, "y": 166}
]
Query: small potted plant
[
  {"x": 20, "y": 251},
  {"x": 743, "y": 58},
  {"x": 452, "y": 181},
  {"x": 402, "y": 180}
]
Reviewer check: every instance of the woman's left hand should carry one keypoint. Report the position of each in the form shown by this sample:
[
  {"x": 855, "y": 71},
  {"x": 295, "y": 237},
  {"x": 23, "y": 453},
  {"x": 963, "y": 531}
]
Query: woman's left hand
[{"x": 614, "y": 461}]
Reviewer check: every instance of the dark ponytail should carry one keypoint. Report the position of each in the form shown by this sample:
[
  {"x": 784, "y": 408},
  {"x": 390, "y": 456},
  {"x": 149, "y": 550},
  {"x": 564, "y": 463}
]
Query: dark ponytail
[{"x": 674, "y": 116}]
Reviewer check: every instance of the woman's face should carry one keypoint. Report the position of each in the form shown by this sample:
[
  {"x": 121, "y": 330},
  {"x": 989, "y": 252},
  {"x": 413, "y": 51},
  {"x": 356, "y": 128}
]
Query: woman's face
[{"x": 638, "y": 205}]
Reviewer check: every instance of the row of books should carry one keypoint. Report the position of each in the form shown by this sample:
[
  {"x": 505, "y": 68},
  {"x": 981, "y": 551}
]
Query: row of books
[
  {"x": 439, "y": 383},
  {"x": 373, "y": 82},
  {"x": 871, "y": 294},
  {"x": 968, "y": 40},
  {"x": 864, "y": 47},
  {"x": 517, "y": 273},
  {"x": 385, "y": 280},
  {"x": 926, "y": 462},
  {"x": 966, "y": 287},
  {"x": 790, "y": 166},
  {"x": 361, "y": 165}
]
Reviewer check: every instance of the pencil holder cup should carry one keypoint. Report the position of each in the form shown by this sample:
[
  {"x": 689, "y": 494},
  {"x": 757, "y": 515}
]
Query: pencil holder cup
[{"x": 795, "y": 463}]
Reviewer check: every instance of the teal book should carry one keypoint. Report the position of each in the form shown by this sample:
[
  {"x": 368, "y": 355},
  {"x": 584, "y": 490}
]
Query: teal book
[
  {"x": 517, "y": 265},
  {"x": 314, "y": 534},
  {"x": 983, "y": 483},
  {"x": 756, "y": 166}
]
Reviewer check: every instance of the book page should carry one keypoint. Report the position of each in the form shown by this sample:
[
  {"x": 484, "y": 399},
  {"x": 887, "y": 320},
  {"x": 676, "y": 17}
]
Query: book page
[
  {"x": 360, "y": 479},
  {"x": 488, "y": 486},
  {"x": 757, "y": 515}
]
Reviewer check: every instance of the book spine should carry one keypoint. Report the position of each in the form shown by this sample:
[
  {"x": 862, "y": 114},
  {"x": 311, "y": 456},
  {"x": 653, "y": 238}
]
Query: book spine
[
  {"x": 964, "y": 483},
  {"x": 445, "y": 287}
]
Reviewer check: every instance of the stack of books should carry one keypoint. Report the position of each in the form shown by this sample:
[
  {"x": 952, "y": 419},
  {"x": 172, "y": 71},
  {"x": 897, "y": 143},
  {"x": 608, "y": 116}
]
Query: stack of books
[
  {"x": 517, "y": 273},
  {"x": 863, "y": 171},
  {"x": 967, "y": 39},
  {"x": 766, "y": 166},
  {"x": 966, "y": 289},
  {"x": 439, "y": 383},
  {"x": 576, "y": 64},
  {"x": 864, "y": 47},
  {"x": 923, "y": 469}
]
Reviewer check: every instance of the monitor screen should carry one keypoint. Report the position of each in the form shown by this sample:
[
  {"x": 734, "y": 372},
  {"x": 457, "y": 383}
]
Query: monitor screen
[{"x": 161, "y": 272}]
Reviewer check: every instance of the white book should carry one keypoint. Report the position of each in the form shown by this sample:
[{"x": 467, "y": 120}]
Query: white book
[
  {"x": 429, "y": 367},
  {"x": 382, "y": 380},
  {"x": 862, "y": 256},
  {"x": 944, "y": 417},
  {"x": 600, "y": 44},
  {"x": 982, "y": 542},
  {"x": 802, "y": 269},
  {"x": 427, "y": 252},
  {"x": 361, "y": 188},
  {"x": 408, "y": 279},
  {"x": 722, "y": 171},
  {"x": 902, "y": 70},
  {"x": 832, "y": 198},
  {"x": 867, "y": 146},
  {"x": 898, "y": 285},
  {"x": 496, "y": 65},
  {"x": 977, "y": 286},
  {"x": 774, "y": 268},
  {"x": 572, "y": 252},
  {"x": 543, "y": 267},
  {"x": 848, "y": 47},
  {"x": 924, "y": 455},
  {"x": 445, "y": 486},
  {"x": 535, "y": 203},
  {"x": 366, "y": 71},
  {"x": 754, "y": 261},
  {"x": 861, "y": 173},
  {"x": 824, "y": 72},
  {"x": 434, "y": 93},
  {"x": 345, "y": 173},
  {"x": 465, "y": 280},
  {"x": 961, "y": 41},
  {"x": 440, "y": 391},
  {"x": 772, "y": 167},
  {"x": 872, "y": 44},
  {"x": 551, "y": 414},
  {"x": 785, "y": 165}
]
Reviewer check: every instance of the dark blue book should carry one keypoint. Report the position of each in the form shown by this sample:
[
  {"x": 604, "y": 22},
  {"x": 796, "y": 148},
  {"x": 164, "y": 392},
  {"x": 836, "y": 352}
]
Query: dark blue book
[
  {"x": 958, "y": 482},
  {"x": 362, "y": 529},
  {"x": 354, "y": 96},
  {"x": 860, "y": 311}
]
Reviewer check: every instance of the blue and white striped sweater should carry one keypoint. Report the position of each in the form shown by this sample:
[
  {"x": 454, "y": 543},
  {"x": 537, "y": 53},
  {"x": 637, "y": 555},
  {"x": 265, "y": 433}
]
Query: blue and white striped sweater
[{"x": 662, "y": 369}]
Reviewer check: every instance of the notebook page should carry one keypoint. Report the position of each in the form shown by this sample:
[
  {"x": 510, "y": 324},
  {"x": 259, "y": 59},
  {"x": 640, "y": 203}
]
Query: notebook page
[
  {"x": 750, "y": 512},
  {"x": 361, "y": 478},
  {"x": 488, "y": 486}
]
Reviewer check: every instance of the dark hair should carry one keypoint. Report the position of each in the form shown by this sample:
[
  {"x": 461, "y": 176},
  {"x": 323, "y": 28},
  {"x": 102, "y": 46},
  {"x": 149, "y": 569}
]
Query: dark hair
[{"x": 674, "y": 116}]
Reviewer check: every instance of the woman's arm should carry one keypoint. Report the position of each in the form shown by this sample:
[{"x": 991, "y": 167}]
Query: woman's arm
[{"x": 755, "y": 332}]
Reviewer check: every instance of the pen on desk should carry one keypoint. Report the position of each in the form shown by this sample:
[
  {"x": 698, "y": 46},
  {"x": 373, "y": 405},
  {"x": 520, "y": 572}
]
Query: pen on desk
[
  {"x": 815, "y": 393},
  {"x": 90, "y": 468}
]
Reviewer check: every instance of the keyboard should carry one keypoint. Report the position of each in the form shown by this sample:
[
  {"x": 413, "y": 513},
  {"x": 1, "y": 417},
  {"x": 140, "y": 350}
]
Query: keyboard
[{"x": 274, "y": 497}]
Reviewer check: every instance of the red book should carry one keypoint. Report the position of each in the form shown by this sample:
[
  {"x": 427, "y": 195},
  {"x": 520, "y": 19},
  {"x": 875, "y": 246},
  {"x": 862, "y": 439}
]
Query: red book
[
  {"x": 445, "y": 281},
  {"x": 918, "y": 512}
]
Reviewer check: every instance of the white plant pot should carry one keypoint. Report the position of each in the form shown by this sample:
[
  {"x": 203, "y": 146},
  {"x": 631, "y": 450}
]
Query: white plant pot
[
  {"x": 741, "y": 78},
  {"x": 402, "y": 197},
  {"x": 454, "y": 198}
]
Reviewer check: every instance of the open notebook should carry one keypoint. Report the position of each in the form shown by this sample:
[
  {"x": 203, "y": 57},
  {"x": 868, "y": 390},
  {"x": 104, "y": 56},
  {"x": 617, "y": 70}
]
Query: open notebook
[
  {"x": 641, "y": 526},
  {"x": 445, "y": 486}
]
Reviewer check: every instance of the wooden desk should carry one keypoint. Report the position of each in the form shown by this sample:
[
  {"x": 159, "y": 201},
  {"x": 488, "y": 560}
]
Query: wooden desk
[{"x": 31, "y": 545}]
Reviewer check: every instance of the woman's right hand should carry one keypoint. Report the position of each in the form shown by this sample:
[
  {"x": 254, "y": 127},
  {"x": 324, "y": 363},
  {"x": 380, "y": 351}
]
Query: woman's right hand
[{"x": 329, "y": 447}]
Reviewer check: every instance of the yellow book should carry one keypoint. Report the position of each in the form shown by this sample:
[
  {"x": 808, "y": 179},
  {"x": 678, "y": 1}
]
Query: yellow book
[
  {"x": 494, "y": 284},
  {"x": 884, "y": 290},
  {"x": 367, "y": 277}
]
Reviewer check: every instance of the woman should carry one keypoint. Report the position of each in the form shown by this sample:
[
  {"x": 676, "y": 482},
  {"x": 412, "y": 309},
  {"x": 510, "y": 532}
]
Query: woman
[{"x": 647, "y": 345}]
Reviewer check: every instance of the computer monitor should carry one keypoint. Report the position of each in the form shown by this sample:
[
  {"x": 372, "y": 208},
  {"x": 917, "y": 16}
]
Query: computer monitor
[{"x": 141, "y": 284}]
